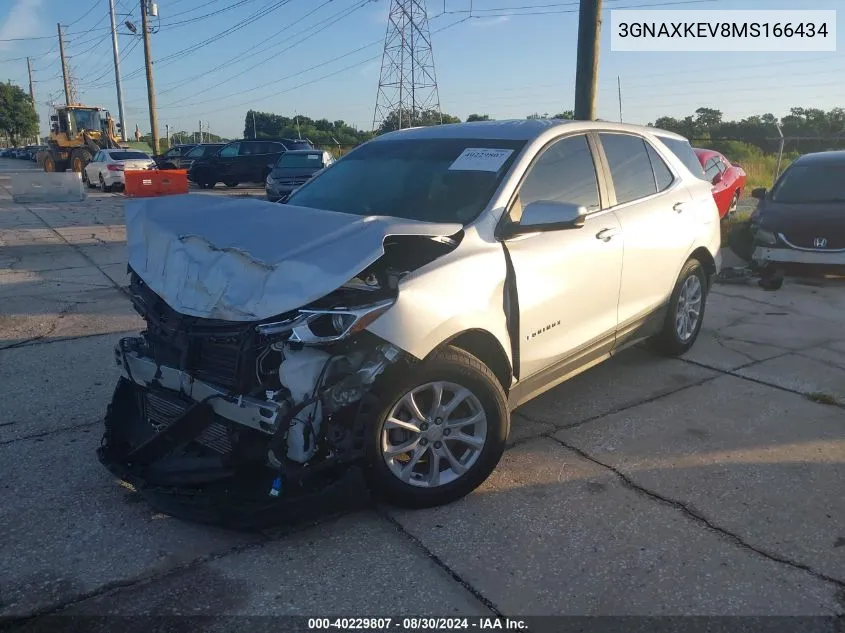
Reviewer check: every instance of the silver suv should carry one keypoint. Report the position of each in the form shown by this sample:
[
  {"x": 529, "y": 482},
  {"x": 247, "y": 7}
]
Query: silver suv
[{"x": 400, "y": 305}]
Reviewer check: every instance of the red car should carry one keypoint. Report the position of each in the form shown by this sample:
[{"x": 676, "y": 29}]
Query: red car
[{"x": 728, "y": 180}]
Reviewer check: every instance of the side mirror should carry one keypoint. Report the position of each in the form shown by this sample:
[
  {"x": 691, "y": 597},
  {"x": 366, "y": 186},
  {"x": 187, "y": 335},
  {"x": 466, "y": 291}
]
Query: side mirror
[
  {"x": 545, "y": 215},
  {"x": 717, "y": 179},
  {"x": 758, "y": 193}
]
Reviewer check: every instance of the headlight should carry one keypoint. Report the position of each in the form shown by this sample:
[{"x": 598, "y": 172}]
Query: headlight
[
  {"x": 317, "y": 327},
  {"x": 762, "y": 236}
]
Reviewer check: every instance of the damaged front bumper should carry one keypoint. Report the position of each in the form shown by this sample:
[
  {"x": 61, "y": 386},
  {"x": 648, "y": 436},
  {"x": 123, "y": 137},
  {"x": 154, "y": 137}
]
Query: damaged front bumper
[{"x": 196, "y": 451}]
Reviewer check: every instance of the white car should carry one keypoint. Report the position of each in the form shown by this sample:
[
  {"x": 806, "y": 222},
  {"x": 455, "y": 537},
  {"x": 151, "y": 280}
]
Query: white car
[
  {"x": 401, "y": 305},
  {"x": 106, "y": 168}
]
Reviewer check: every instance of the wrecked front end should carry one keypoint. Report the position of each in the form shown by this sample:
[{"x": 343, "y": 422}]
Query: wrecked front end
[{"x": 231, "y": 421}]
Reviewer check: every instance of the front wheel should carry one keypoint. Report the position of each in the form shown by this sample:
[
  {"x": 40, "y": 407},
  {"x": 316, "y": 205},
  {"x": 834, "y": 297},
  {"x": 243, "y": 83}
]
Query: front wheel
[
  {"x": 685, "y": 312},
  {"x": 441, "y": 430}
]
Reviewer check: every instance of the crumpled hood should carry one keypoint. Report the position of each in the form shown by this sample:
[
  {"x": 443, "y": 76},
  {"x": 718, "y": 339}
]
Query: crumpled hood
[{"x": 245, "y": 259}]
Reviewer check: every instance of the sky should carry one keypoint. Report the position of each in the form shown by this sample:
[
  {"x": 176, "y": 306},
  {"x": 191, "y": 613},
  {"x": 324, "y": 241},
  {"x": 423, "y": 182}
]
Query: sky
[{"x": 322, "y": 58}]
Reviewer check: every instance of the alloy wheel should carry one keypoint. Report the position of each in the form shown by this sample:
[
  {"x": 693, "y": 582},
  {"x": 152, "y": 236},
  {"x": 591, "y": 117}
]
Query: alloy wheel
[
  {"x": 688, "y": 310},
  {"x": 434, "y": 434}
]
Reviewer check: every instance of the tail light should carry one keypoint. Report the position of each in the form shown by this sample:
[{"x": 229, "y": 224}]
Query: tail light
[{"x": 114, "y": 167}]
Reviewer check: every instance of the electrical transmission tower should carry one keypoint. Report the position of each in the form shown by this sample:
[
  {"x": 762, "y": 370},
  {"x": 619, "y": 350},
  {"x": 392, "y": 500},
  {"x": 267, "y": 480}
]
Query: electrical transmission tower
[{"x": 407, "y": 90}]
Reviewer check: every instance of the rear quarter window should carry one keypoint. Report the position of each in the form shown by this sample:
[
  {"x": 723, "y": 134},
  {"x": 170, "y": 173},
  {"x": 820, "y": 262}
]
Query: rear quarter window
[{"x": 683, "y": 150}]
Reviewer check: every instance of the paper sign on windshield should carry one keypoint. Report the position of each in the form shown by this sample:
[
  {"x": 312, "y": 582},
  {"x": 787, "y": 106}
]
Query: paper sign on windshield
[{"x": 480, "y": 159}]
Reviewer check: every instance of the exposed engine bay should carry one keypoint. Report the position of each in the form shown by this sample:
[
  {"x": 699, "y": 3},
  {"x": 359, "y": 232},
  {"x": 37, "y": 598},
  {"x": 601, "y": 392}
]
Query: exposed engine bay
[{"x": 257, "y": 410}]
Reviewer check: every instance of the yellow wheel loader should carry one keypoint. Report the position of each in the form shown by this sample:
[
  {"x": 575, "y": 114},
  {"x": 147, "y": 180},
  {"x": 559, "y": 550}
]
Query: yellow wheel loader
[{"x": 78, "y": 132}]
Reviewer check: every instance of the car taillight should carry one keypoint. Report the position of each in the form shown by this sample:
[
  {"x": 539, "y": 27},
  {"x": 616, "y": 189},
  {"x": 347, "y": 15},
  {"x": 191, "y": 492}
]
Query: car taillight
[{"x": 115, "y": 167}]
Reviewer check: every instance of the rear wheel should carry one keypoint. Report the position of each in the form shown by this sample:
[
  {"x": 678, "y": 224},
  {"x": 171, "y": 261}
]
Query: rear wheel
[
  {"x": 103, "y": 186},
  {"x": 685, "y": 313},
  {"x": 441, "y": 430}
]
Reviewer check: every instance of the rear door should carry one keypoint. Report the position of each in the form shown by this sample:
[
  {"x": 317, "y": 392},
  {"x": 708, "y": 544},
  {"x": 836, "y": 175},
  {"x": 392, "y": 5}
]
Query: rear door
[{"x": 657, "y": 217}]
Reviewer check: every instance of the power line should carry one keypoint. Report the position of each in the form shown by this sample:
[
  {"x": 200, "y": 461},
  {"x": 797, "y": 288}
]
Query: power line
[
  {"x": 84, "y": 15},
  {"x": 296, "y": 36},
  {"x": 264, "y": 11},
  {"x": 240, "y": 57},
  {"x": 322, "y": 77},
  {"x": 168, "y": 25}
]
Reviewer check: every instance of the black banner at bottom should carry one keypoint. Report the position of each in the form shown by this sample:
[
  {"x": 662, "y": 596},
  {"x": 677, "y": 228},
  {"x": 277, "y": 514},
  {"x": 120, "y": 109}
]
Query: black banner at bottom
[{"x": 400, "y": 624}]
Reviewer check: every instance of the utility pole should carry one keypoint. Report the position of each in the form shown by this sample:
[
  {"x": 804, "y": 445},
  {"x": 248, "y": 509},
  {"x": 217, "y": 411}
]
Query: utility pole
[
  {"x": 64, "y": 65},
  {"x": 619, "y": 88},
  {"x": 587, "y": 68},
  {"x": 123, "y": 136},
  {"x": 32, "y": 94},
  {"x": 200, "y": 131},
  {"x": 151, "y": 91},
  {"x": 167, "y": 132},
  {"x": 254, "y": 133}
]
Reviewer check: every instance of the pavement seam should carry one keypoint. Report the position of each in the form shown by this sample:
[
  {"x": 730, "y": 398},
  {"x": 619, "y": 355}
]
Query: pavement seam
[
  {"x": 697, "y": 517},
  {"x": 35, "y": 436},
  {"x": 262, "y": 539},
  {"x": 36, "y": 340},
  {"x": 441, "y": 563},
  {"x": 79, "y": 250}
]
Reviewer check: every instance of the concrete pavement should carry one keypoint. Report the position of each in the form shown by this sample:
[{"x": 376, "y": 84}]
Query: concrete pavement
[{"x": 706, "y": 485}]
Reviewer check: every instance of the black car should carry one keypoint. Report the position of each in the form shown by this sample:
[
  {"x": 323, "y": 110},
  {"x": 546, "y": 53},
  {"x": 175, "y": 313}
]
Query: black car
[
  {"x": 248, "y": 160},
  {"x": 294, "y": 169},
  {"x": 172, "y": 158},
  {"x": 799, "y": 226}
]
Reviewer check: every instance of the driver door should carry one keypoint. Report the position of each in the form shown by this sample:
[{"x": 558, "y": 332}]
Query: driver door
[{"x": 567, "y": 280}]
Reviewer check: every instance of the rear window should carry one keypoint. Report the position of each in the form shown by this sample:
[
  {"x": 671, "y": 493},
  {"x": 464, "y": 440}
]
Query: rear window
[
  {"x": 300, "y": 161},
  {"x": 683, "y": 150},
  {"x": 298, "y": 145},
  {"x": 129, "y": 156}
]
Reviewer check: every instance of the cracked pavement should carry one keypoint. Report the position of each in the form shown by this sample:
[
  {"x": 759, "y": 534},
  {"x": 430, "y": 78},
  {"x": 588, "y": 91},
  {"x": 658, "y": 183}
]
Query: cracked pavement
[{"x": 708, "y": 485}]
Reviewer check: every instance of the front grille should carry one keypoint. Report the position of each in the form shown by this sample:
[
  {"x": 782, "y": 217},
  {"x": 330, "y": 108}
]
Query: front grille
[
  {"x": 807, "y": 239},
  {"x": 161, "y": 409}
]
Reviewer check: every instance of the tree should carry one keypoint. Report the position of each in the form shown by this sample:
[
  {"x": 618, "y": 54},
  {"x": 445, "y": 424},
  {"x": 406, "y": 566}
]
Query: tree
[
  {"x": 321, "y": 132},
  {"x": 415, "y": 119},
  {"x": 566, "y": 115},
  {"x": 18, "y": 118},
  {"x": 478, "y": 117}
]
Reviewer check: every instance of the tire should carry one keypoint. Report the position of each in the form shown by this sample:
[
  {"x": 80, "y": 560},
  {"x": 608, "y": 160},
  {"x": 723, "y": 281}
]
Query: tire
[
  {"x": 733, "y": 205},
  {"x": 771, "y": 280},
  {"x": 49, "y": 164},
  {"x": 78, "y": 159},
  {"x": 452, "y": 368},
  {"x": 231, "y": 183},
  {"x": 85, "y": 180},
  {"x": 670, "y": 341},
  {"x": 103, "y": 187}
]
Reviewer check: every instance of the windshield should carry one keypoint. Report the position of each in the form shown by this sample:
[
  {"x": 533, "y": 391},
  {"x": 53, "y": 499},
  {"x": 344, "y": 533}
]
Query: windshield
[
  {"x": 432, "y": 180},
  {"x": 129, "y": 156},
  {"x": 300, "y": 161},
  {"x": 811, "y": 183},
  {"x": 86, "y": 119}
]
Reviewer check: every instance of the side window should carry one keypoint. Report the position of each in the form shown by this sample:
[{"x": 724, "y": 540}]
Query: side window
[
  {"x": 722, "y": 165},
  {"x": 683, "y": 150},
  {"x": 274, "y": 148},
  {"x": 96, "y": 158},
  {"x": 230, "y": 151},
  {"x": 565, "y": 172},
  {"x": 630, "y": 166},
  {"x": 662, "y": 175},
  {"x": 711, "y": 168}
]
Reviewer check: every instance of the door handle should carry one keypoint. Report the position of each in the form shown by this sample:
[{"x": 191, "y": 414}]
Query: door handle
[
  {"x": 679, "y": 207},
  {"x": 607, "y": 234}
]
